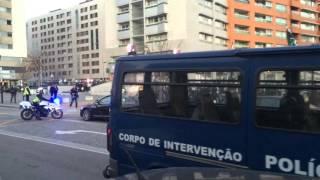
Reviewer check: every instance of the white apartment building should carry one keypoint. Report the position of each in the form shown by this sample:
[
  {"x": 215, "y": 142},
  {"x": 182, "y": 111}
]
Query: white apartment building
[
  {"x": 154, "y": 26},
  {"x": 70, "y": 42},
  {"x": 13, "y": 46}
]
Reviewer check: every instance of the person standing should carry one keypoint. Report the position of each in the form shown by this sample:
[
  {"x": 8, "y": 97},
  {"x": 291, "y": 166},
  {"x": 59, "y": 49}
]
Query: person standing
[
  {"x": 13, "y": 92},
  {"x": 55, "y": 91},
  {"x": 51, "y": 91},
  {"x": 74, "y": 96},
  {"x": 26, "y": 92}
]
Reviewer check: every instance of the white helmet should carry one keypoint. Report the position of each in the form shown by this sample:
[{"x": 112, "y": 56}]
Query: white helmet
[{"x": 39, "y": 90}]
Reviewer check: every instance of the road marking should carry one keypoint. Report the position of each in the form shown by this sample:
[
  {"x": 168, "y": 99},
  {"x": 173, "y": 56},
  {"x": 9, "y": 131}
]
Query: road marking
[
  {"x": 56, "y": 142},
  {"x": 3, "y": 113},
  {"x": 83, "y": 122},
  {"x": 79, "y": 131}
]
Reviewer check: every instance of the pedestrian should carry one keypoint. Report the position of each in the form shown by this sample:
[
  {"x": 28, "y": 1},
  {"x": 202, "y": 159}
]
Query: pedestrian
[
  {"x": 51, "y": 90},
  {"x": 26, "y": 92},
  {"x": 74, "y": 96},
  {"x": 55, "y": 91},
  {"x": 13, "y": 92}
]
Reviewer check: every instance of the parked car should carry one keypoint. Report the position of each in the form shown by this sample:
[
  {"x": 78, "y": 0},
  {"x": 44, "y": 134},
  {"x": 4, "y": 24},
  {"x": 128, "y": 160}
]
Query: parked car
[{"x": 98, "y": 110}]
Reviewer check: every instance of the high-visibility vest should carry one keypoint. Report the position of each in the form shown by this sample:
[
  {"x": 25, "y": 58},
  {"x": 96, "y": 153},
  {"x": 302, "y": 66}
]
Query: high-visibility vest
[
  {"x": 26, "y": 91},
  {"x": 36, "y": 100}
]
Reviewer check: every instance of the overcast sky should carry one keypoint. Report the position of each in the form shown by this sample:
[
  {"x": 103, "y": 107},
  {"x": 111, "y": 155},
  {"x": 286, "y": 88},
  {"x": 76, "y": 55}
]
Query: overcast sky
[{"x": 36, "y": 8}]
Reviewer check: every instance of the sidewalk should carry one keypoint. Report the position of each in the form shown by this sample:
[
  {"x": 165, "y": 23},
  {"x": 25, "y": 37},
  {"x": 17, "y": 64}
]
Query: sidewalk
[{"x": 85, "y": 98}]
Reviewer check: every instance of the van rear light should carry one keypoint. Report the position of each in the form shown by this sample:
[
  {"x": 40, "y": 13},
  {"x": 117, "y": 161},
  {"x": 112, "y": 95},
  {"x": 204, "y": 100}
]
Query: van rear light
[{"x": 109, "y": 139}]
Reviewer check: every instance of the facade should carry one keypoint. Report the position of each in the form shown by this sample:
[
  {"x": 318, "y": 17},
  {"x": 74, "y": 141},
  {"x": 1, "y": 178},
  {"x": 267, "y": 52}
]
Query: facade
[
  {"x": 70, "y": 42},
  {"x": 263, "y": 23},
  {"x": 154, "y": 26},
  {"x": 13, "y": 46}
]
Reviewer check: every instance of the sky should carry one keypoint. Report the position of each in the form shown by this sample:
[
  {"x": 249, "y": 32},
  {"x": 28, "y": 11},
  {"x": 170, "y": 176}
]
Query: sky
[{"x": 36, "y": 8}]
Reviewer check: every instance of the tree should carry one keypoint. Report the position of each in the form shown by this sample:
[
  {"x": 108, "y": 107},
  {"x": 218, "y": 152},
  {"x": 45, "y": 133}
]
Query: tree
[{"x": 35, "y": 66}]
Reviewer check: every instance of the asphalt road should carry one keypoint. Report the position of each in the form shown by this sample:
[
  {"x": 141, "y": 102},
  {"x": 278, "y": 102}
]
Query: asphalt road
[{"x": 51, "y": 149}]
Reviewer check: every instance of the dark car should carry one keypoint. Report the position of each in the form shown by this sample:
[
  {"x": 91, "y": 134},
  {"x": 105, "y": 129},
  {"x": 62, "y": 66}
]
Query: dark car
[{"x": 98, "y": 110}]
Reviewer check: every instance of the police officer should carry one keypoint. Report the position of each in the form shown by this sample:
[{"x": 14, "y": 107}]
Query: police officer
[
  {"x": 26, "y": 92},
  {"x": 36, "y": 102}
]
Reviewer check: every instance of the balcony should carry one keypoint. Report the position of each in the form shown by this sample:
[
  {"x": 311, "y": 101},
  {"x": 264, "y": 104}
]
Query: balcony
[
  {"x": 122, "y": 2},
  {"x": 221, "y": 33},
  {"x": 221, "y": 17},
  {"x": 123, "y": 18},
  {"x": 222, "y": 2},
  {"x": 156, "y": 10},
  {"x": 156, "y": 28},
  {"x": 123, "y": 34}
]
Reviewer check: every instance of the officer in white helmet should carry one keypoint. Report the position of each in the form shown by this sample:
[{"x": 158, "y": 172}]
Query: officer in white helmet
[{"x": 36, "y": 102}]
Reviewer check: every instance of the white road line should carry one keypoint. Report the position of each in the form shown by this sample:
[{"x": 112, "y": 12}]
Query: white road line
[
  {"x": 79, "y": 131},
  {"x": 81, "y": 121},
  {"x": 56, "y": 142}
]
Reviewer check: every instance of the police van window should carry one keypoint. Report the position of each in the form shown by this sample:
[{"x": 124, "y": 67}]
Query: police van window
[
  {"x": 289, "y": 99},
  {"x": 202, "y": 96}
]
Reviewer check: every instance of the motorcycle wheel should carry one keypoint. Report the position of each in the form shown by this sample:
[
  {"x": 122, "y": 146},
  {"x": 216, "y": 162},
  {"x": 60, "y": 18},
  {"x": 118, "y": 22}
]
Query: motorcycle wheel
[
  {"x": 57, "y": 114},
  {"x": 26, "y": 114}
]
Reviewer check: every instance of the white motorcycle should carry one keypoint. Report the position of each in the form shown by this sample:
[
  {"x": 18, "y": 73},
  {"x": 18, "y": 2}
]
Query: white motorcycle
[{"x": 29, "y": 111}]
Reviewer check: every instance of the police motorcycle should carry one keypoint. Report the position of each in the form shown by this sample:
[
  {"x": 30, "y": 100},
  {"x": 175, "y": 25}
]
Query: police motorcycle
[{"x": 28, "y": 111}]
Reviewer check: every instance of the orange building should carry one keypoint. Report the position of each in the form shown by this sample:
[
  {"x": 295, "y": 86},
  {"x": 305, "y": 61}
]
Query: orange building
[{"x": 263, "y": 23}]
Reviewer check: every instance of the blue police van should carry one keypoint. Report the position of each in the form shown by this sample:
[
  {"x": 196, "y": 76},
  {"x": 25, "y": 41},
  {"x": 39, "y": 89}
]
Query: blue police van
[{"x": 255, "y": 109}]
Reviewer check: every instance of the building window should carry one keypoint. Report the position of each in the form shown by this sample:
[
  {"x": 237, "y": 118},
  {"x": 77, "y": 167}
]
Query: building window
[
  {"x": 263, "y": 32},
  {"x": 308, "y": 2},
  {"x": 243, "y": 1},
  {"x": 85, "y": 64},
  {"x": 263, "y": 3},
  {"x": 124, "y": 26},
  {"x": 242, "y": 14},
  {"x": 86, "y": 71},
  {"x": 206, "y": 3},
  {"x": 308, "y": 26},
  {"x": 308, "y": 14},
  {"x": 281, "y": 8},
  {"x": 94, "y": 15},
  {"x": 263, "y": 18},
  {"x": 281, "y": 34},
  {"x": 281, "y": 21},
  {"x": 95, "y": 71},
  {"x": 241, "y": 44},
  {"x": 94, "y": 7},
  {"x": 308, "y": 39},
  {"x": 123, "y": 9},
  {"x": 241, "y": 29},
  {"x": 5, "y": 10},
  {"x": 263, "y": 45},
  {"x": 85, "y": 9},
  {"x": 221, "y": 41},
  {"x": 84, "y": 25},
  {"x": 94, "y": 23},
  {"x": 124, "y": 42},
  {"x": 220, "y": 9},
  {"x": 157, "y": 37},
  {"x": 94, "y": 55},
  {"x": 157, "y": 19},
  {"x": 205, "y": 37},
  {"x": 84, "y": 17},
  {"x": 220, "y": 25},
  {"x": 205, "y": 19},
  {"x": 95, "y": 63}
]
